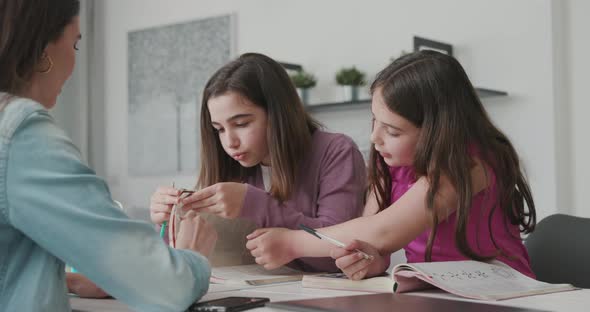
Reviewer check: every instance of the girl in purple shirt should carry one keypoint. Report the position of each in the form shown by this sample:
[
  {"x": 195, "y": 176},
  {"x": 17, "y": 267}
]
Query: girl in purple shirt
[
  {"x": 264, "y": 159},
  {"x": 445, "y": 183}
]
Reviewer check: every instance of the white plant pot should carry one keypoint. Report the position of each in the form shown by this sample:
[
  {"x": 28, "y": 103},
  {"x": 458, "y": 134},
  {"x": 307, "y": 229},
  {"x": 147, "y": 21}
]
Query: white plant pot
[
  {"x": 350, "y": 93},
  {"x": 303, "y": 95}
]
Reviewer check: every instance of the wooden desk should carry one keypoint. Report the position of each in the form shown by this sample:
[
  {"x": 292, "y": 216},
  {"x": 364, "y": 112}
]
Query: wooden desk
[{"x": 575, "y": 301}]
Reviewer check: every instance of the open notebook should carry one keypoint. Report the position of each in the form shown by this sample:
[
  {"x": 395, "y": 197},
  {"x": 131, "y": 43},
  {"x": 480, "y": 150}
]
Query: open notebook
[
  {"x": 470, "y": 279},
  {"x": 254, "y": 275}
]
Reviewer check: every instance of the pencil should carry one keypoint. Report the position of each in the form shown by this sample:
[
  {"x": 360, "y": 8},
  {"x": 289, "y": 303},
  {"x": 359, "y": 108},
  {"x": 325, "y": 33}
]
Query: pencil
[{"x": 332, "y": 240}]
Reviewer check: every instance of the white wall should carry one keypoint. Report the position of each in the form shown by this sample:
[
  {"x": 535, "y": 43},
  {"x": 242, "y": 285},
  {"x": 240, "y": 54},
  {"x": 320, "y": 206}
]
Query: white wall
[
  {"x": 503, "y": 44},
  {"x": 561, "y": 107},
  {"x": 71, "y": 109},
  {"x": 577, "y": 50}
]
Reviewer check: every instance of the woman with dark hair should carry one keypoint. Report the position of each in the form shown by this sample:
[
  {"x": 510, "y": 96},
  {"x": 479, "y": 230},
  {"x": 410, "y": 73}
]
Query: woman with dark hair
[
  {"x": 53, "y": 208},
  {"x": 445, "y": 183},
  {"x": 266, "y": 160}
]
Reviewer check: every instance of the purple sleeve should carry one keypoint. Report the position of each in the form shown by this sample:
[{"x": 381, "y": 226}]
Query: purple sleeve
[{"x": 341, "y": 186}]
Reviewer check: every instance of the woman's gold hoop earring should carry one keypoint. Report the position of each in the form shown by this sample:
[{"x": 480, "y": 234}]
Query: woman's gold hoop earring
[{"x": 48, "y": 58}]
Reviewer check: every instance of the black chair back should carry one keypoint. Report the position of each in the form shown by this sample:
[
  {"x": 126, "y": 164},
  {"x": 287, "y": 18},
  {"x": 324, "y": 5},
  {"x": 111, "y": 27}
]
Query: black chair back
[{"x": 559, "y": 249}]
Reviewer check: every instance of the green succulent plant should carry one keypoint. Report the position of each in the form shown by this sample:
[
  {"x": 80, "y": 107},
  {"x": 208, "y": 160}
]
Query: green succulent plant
[
  {"x": 350, "y": 77},
  {"x": 303, "y": 80}
]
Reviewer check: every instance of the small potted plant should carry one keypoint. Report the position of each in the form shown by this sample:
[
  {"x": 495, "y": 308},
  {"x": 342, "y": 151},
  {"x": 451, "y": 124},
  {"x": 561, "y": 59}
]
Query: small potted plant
[
  {"x": 350, "y": 79},
  {"x": 303, "y": 81}
]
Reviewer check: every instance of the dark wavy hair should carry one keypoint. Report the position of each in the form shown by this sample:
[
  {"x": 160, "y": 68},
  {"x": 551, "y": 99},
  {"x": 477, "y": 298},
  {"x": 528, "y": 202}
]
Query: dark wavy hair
[
  {"x": 265, "y": 83},
  {"x": 26, "y": 27},
  {"x": 431, "y": 90}
]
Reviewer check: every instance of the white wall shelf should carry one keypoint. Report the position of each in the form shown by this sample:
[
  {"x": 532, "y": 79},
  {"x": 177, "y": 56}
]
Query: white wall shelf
[{"x": 364, "y": 103}]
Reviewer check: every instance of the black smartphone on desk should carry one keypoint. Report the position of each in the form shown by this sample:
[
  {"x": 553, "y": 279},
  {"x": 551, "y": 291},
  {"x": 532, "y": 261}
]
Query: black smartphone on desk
[{"x": 228, "y": 304}]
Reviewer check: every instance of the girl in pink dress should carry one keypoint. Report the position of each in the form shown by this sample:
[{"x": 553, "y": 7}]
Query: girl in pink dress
[{"x": 445, "y": 183}]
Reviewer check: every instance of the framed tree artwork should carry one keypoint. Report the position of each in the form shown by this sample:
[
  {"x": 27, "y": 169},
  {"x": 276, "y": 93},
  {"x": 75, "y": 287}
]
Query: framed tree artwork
[{"x": 168, "y": 69}]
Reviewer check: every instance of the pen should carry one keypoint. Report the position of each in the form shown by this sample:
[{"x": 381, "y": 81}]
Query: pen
[{"x": 332, "y": 240}]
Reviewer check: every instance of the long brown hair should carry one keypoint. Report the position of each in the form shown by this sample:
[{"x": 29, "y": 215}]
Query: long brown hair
[
  {"x": 265, "y": 83},
  {"x": 432, "y": 91},
  {"x": 26, "y": 27}
]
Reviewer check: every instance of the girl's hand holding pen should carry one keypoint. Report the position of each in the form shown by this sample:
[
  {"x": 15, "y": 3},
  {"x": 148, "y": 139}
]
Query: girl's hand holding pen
[
  {"x": 354, "y": 265},
  {"x": 161, "y": 203},
  {"x": 224, "y": 199}
]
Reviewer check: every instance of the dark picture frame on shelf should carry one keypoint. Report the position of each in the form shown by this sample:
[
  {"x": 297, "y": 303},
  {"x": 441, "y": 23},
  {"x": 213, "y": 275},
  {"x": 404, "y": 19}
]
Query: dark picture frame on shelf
[
  {"x": 428, "y": 44},
  {"x": 291, "y": 67}
]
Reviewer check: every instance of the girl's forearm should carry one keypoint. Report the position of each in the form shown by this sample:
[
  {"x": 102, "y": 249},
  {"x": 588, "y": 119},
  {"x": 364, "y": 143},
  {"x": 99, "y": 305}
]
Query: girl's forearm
[
  {"x": 368, "y": 229},
  {"x": 388, "y": 231},
  {"x": 306, "y": 245}
]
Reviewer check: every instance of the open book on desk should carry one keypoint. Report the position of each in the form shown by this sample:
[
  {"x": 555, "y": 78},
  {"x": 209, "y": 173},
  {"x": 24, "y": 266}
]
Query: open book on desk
[
  {"x": 470, "y": 279},
  {"x": 253, "y": 275}
]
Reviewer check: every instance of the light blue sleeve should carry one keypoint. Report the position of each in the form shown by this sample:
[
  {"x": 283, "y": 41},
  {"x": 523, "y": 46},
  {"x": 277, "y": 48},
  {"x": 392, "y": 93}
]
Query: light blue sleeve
[{"x": 58, "y": 202}]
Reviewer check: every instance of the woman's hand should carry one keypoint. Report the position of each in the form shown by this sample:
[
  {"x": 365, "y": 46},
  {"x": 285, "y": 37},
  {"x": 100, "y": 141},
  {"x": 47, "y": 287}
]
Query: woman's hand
[
  {"x": 271, "y": 247},
  {"x": 196, "y": 234},
  {"x": 354, "y": 265},
  {"x": 161, "y": 203},
  {"x": 224, "y": 199},
  {"x": 80, "y": 285}
]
